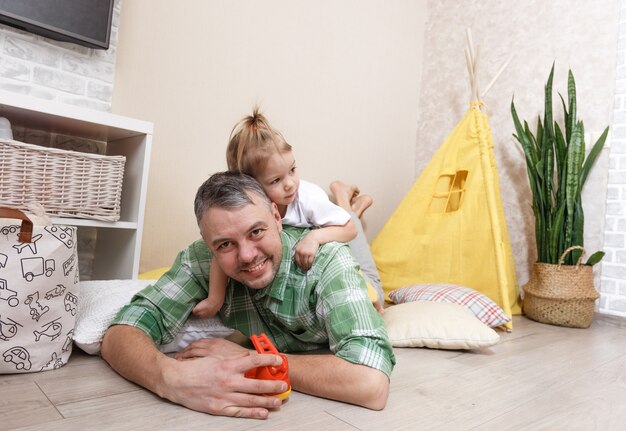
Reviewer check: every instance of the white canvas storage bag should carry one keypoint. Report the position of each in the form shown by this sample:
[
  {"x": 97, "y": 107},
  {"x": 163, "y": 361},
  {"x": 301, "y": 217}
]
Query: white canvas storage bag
[{"x": 38, "y": 293}]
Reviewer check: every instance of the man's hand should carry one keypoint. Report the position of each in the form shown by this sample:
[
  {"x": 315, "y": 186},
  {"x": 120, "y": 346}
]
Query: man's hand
[
  {"x": 218, "y": 386},
  {"x": 205, "y": 381},
  {"x": 306, "y": 249}
]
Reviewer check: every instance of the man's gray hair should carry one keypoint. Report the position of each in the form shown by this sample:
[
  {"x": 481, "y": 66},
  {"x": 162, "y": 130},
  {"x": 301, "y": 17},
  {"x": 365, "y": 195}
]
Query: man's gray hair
[{"x": 227, "y": 190}]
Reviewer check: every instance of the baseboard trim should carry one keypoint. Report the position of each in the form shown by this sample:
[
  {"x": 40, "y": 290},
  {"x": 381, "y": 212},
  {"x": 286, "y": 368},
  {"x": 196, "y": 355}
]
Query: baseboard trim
[{"x": 609, "y": 319}]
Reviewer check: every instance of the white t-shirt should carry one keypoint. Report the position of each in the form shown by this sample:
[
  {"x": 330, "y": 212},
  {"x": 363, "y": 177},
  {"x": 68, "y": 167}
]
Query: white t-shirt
[{"x": 312, "y": 208}]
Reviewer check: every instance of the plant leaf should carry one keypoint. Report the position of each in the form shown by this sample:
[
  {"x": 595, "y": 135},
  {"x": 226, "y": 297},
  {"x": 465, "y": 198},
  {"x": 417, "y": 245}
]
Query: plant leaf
[
  {"x": 592, "y": 156},
  {"x": 555, "y": 235},
  {"x": 566, "y": 117},
  {"x": 522, "y": 137},
  {"x": 577, "y": 231},
  {"x": 561, "y": 158},
  {"x": 540, "y": 137},
  {"x": 525, "y": 138},
  {"x": 548, "y": 172},
  {"x": 548, "y": 105},
  {"x": 571, "y": 98},
  {"x": 574, "y": 157},
  {"x": 595, "y": 258},
  {"x": 539, "y": 235}
]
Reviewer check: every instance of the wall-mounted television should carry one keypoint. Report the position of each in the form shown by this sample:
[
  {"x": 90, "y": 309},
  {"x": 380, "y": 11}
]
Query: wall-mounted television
[{"x": 83, "y": 22}]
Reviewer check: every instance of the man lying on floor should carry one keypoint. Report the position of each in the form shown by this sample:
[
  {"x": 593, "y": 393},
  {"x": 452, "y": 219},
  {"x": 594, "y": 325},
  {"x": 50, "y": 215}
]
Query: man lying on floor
[{"x": 326, "y": 307}]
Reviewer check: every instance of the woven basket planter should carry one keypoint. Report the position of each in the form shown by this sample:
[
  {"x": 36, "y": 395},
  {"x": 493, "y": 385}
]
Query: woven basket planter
[
  {"x": 560, "y": 294},
  {"x": 66, "y": 183}
]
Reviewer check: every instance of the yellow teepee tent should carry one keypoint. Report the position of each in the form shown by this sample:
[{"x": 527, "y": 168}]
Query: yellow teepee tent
[{"x": 450, "y": 227}]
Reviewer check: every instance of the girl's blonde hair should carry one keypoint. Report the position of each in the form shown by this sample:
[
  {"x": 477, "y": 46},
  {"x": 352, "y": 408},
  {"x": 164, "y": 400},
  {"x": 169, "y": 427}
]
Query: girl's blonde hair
[{"x": 252, "y": 141}]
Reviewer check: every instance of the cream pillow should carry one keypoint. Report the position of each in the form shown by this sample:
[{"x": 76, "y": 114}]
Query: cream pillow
[{"x": 437, "y": 325}]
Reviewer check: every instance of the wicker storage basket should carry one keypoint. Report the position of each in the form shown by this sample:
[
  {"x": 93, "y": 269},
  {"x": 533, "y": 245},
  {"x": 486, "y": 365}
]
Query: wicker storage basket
[
  {"x": 560, "y": 294},
  {"x": 66, "y": 183}
]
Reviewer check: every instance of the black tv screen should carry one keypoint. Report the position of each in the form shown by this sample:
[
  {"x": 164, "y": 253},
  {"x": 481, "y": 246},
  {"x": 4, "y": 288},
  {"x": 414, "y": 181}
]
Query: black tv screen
[{"x": 84, "y": 22}]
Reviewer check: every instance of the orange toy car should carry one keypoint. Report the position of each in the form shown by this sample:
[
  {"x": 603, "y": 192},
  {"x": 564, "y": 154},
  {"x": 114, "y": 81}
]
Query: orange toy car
[{"x": 263, "y": 345}]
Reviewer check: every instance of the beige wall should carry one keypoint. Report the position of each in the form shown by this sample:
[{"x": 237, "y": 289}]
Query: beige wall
[
  {"x": 340, "y": 79},
  {"x": 581, "y": 35}
]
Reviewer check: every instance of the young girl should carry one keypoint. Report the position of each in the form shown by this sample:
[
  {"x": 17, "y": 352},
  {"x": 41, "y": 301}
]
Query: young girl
[{"x": 256, "y": 149}]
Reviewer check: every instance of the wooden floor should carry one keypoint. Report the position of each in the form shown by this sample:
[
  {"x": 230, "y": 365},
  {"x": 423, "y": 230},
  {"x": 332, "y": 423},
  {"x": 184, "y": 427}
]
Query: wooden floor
[{"x": 539, "y": 377}]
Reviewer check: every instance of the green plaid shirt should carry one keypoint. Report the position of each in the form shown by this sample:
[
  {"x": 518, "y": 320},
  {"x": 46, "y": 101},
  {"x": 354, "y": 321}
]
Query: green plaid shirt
[{"x": 325, "y": 307}]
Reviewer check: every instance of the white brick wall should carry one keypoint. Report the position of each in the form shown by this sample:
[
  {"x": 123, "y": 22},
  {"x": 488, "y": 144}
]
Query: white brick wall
[
  {"x": 59, "y": 71},
  {"x": 613, "y": 279}
]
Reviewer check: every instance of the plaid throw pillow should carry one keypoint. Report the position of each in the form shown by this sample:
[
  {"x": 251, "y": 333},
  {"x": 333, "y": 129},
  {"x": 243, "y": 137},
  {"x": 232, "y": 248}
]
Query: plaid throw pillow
[{"x": 483, "y": 308}]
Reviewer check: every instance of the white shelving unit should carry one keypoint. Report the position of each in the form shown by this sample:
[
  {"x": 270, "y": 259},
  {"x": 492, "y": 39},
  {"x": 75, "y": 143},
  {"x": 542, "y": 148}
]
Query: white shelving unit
[{"x": 118, "y": 244}]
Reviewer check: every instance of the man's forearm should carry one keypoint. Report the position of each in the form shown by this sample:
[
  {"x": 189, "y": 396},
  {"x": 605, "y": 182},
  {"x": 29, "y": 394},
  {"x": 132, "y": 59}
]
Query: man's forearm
[
  {"x": 133, "y": 354},
  {"x": 329, "y": 376}
]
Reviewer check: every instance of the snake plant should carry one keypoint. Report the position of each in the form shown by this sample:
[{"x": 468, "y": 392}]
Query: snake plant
[{"x": 557, "y": 170}]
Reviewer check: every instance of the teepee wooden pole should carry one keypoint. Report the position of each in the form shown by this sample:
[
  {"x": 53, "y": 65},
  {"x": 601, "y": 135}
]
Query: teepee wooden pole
[
  {"x": 470, "y": 70},
  {"x": 495, "y": 78},
  {"x": 476, "y": 61},
  {"x": 471, "y": 57},
  {"x": 470, "y": 43}
]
